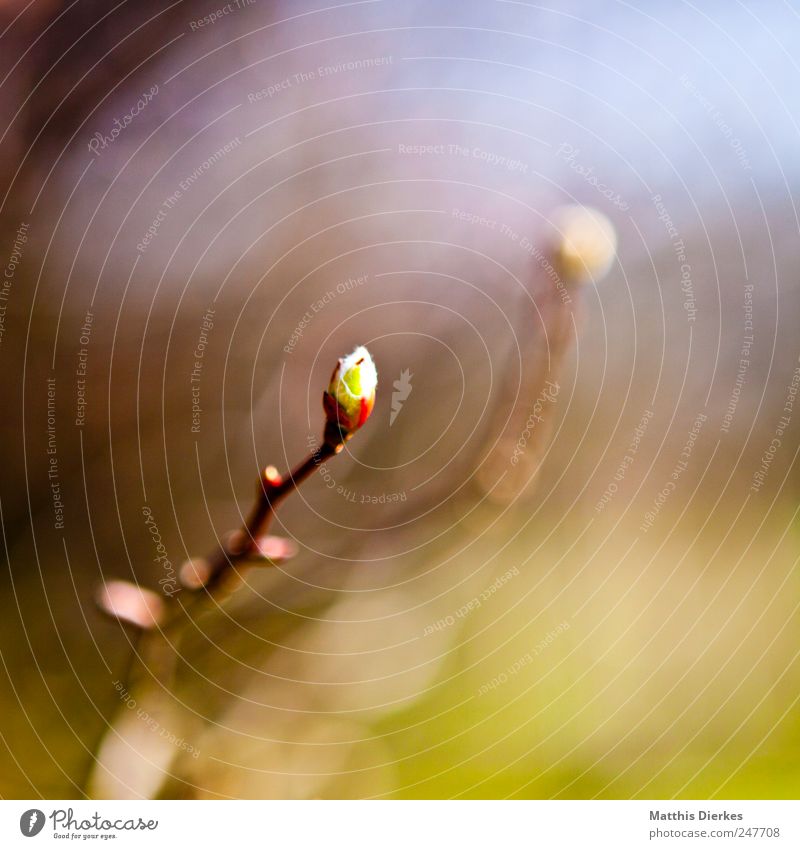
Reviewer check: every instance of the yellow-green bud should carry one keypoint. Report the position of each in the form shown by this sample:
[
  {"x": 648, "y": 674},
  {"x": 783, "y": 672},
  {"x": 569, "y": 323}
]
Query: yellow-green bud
[{"x": 351, "y": 393}]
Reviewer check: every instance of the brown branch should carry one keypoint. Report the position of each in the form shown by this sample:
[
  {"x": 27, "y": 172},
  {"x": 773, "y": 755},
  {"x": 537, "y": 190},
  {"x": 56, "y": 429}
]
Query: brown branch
[{"x": 273, "y": 489}]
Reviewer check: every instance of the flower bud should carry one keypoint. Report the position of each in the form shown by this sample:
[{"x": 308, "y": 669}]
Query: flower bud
[
  {"x": 585, "y": 243},
  {"x": 350, "y": 396}
]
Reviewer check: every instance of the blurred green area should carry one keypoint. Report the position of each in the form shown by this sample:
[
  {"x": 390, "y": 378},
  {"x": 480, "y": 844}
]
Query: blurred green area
[{"x": 676, "y": 675}]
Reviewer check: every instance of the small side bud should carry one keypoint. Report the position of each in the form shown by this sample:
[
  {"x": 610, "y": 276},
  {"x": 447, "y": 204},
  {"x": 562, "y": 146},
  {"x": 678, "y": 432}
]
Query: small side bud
[
  {"x": 350, "y": 396},
  {"x": 195, "y": 573},
  {"x": 272, "y": 476},
  {"x": 273, "y": 549}
]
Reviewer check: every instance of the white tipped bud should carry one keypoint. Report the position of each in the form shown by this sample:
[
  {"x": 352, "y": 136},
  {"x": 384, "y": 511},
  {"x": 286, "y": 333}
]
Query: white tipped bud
[{"x": 350, "y": 396}]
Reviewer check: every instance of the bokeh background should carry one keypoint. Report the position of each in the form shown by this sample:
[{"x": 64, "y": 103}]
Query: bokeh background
[{"x": 177, "y": 175}]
